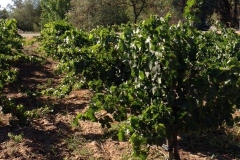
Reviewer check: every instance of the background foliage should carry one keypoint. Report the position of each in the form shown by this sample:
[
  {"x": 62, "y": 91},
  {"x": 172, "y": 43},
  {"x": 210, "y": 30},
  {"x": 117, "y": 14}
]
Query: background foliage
[
  {"x": 90, "y": 13},
  {"x": 86, "y": 14},
  {"x": 27, "y": 15}
]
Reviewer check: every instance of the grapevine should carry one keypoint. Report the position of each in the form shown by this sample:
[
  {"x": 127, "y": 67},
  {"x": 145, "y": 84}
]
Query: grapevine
[
  {"x": 11, "y": 45},
  {"x": 162, "y": 79}
]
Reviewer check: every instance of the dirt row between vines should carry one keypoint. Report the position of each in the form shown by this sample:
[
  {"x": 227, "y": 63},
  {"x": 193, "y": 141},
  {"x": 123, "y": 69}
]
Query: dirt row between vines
[{"x": 52, "y": 135}]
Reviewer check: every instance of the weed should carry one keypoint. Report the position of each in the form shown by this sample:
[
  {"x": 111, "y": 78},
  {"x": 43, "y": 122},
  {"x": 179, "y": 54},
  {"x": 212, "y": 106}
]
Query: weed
[
  {"x": 77, "y": 145},
  {"x": 113, "y": 131},
  {"x": 74, "y": 124},
  {"x": 46, "y": 85},
  {"x": 129, "y": 157},
  {"x": 84, "y": 151},
  {"x": 39, "y": 112},
  {"x": 16, "y": 138},
  {"x": 74, "y": 142}
]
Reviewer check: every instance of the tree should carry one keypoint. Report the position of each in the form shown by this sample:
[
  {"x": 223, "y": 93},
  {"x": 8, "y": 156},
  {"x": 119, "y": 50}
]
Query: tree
[
  {"x": 179, "y": 4},
  {"x": 204, "y": 9},
  {"x": 27, "y": 13},
  {"x": 144, "y": 8},
  {"x": 162, "y": 8},
  {"x": 137, "y": 7},
  {"x": 54, "y": 10},
  {"x": 89, "y": 14},
  {"x": 235, "y": 13},
  {"x": 4, "y": 13},
  {"x": 17, "y": 3},
  {"x": 223, "y": 8},
  {"x": 200, "y": 11}
]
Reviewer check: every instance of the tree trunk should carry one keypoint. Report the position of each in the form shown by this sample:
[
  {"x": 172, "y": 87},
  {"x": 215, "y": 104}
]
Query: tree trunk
[
  {"x": 183, "y": 5},
  {"x": 169, "y": 146},
  {"x": 137, "y": 10},
  {"x": 235, "y": 16},
  {"x": 175, "y": 147}
]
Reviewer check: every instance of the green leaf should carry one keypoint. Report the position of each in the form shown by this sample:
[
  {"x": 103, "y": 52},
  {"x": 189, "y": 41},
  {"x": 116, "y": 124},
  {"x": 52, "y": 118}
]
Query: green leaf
[
  {"x": 75, "y": 122},
  {"x": 113, "y": 89},
  {"x": 134, "y": 121},
  {"x": 90, "y": 114},
  {"x": 121, "y": 135},
  {"x": 141, "y": 75},
  {"x": 90, "y": 36},
  {"x": 160, "y": 129},
  {"x": 121, "y": 45}
]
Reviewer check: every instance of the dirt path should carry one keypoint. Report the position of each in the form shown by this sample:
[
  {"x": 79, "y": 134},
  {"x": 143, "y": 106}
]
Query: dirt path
[{"x": 30, "y": 35}]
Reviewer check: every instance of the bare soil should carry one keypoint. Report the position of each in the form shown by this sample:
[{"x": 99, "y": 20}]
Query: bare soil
[{"x": 53, "y": 136}]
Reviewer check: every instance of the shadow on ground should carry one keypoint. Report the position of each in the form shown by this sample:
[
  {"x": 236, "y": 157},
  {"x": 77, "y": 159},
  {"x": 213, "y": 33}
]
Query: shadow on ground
[
  {"x": 45, "y": 136},
  {"x": 221, "y": 145}
]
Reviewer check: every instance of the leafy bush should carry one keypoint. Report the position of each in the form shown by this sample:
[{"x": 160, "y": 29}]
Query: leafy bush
[
  {"x": 11, "y": 54},
  {"x": 162, "y": 79},
  {"x": 88, "y": 58}
]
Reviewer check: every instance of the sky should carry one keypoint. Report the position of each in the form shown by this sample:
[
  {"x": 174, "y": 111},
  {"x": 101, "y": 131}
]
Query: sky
[{"x": 4, "y": 3}]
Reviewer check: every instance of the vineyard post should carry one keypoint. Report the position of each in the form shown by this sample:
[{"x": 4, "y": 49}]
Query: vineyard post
[
  {"x": 239, "y": 23},
  {"x": 168, "y": 147}
]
